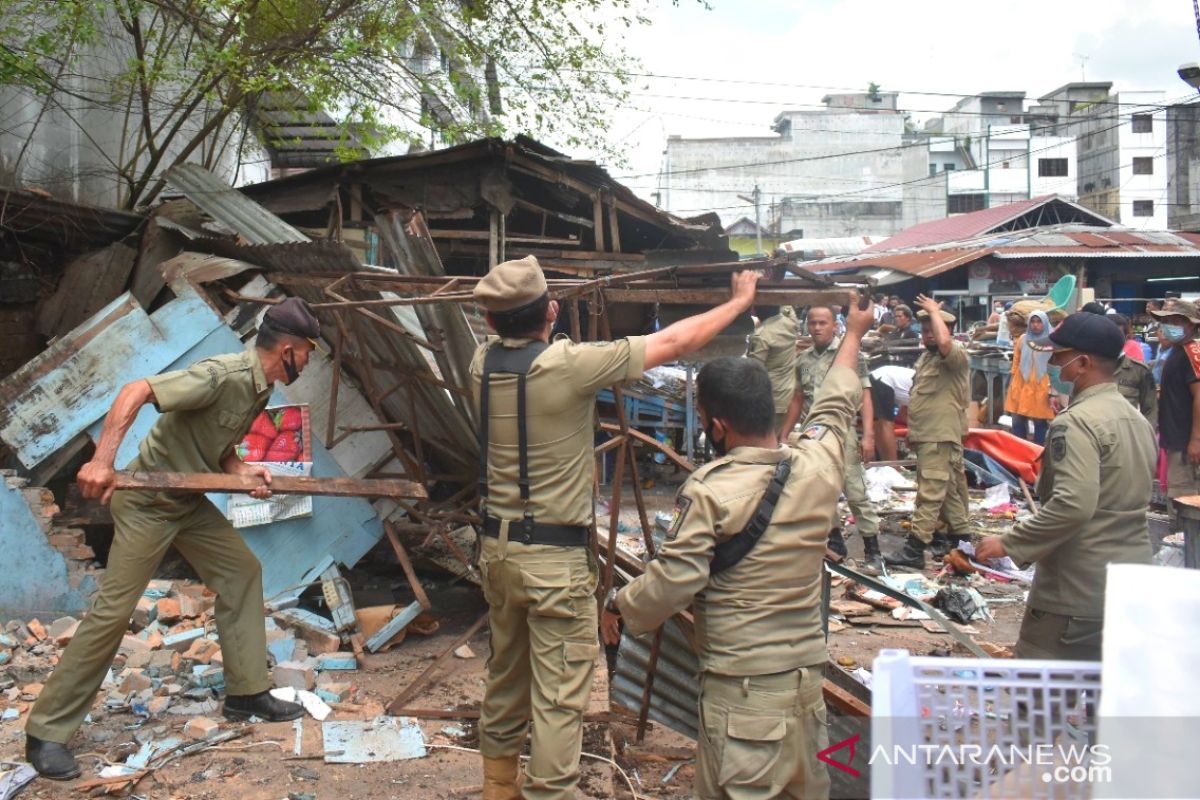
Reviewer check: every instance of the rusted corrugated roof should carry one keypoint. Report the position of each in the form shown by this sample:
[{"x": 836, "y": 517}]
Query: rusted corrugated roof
[
  {"x": 988, "y": 220},
  {"x": 34, "y": 217}
]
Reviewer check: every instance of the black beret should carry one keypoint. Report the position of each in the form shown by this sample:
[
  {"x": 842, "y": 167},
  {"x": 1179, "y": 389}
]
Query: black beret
[
  {"x": 1094, "y": 308},
  {"x": 1089, "y": 333},
  {"x": 295, "y": 318}
]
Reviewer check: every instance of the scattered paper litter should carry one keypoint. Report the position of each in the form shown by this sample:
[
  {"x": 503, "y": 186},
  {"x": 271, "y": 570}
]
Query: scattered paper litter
[{"x": 317, "y": 708}]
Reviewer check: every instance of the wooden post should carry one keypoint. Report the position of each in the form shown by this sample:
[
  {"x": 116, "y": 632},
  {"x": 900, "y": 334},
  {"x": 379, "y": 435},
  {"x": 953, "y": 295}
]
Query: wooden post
[
  {"x": 493, "y": 239},
  {"x": 614, "y": 519},
  {"x": 598, "y": 221},
  {"x": 614, "y": 233}
]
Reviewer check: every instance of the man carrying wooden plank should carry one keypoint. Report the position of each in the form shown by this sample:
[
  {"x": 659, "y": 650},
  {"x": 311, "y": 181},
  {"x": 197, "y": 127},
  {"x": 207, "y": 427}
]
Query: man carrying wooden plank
[
  {"x": 537, "y": 405},
  {"x": 746, "y": 550},
  {"x": 206, "y": 410}
]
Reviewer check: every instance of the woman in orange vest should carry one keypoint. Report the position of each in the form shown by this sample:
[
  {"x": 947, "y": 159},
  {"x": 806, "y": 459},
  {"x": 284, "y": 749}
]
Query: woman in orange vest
[{"x": 1029, "y": 388}]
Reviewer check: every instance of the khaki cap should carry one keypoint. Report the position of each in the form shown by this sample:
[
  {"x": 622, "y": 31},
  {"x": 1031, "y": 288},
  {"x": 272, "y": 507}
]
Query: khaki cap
[
  {"x": 1179, "y": 308},
  {"x": 946, "y": 315},
  {"x": 511, "y": 285}
]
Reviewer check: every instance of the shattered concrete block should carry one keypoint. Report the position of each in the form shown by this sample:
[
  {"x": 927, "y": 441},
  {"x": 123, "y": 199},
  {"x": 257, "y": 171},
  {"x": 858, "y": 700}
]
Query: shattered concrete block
[
  {"x": 218, "y": 658},
  {"x": 337, "y": 661},
  {"x": 335, "y": 692},
  {"x": 464, "y": 651},
  {"x": 62, "y": 540},
  {"x": 158, "y": 588},
  {"x": 201, "y": 728},
  {"x": 283, "y": 649},
  {"x": 63, "y": 638},
  {"x": 31, "y": 691},
  {"x": 194, "y": 599},
  {"x": 79, "y": 553},
  {"x": 5, "y": 656},
  {"x": 168, "y": 610},
  {"x": 140, "y": 659},
  {"x": 132, "y": 681},
  {"x": 37, "y": 631},
  {"x": 202, "y": 651},
  {"x": 317, "y": 632},
  {"x": 208, "y": 676},
  {"x": 158, "y": 706},
  {"x": 295, "y": 674},
  {"x": 144, "y": 613},
  {"x": 182, "y": 640},
  {"x": 133, "y": 644},
  {"x": 61, "y": 626},
  {"x": 163, "y": 663}
]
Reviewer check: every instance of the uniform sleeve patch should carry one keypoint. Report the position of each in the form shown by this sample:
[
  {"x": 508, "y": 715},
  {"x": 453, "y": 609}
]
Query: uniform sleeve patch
[
  {"x": 213, "y": 378},
  {"x": 815, "y": 432},
  {"x": 682, "y": 504},
  {"x": 1192, "y": 349},
  {"x": 1058, "y": 448}
]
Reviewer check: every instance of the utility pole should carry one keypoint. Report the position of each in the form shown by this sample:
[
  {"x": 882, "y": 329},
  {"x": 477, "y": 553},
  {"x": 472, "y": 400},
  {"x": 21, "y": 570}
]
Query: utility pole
[{"x": 755, "y": 198}]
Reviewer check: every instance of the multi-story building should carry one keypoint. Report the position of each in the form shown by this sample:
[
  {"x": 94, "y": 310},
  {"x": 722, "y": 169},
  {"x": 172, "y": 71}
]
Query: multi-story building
[{"x": 1122, "y": 145}]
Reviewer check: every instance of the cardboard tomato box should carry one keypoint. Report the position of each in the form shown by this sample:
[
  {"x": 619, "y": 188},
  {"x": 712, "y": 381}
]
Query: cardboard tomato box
[{"x": 281, "y": 440}]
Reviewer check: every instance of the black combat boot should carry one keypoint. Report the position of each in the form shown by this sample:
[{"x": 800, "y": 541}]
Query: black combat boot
[
  {"x": 939, "y": 546},
  {"x": 836, "y": 543},
  {"x": 912, "y": 555},
  {"x": 872, "y": 560},
  {"x": 263, "y": 706},
  {"x": 51, "y": 759}
]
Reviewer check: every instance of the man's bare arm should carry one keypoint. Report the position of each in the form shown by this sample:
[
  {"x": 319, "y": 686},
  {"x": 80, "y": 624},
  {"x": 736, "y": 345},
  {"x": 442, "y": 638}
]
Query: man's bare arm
[{"x": 97, "y": 477}]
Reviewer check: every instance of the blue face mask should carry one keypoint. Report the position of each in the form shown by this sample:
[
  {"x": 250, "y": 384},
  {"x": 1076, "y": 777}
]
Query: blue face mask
[
  {"x": 1056, "y": 381},
  {"x": 1173, "y": 333}
]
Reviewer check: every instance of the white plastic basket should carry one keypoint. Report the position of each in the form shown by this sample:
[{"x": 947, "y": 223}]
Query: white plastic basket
[{"x": 987, "y": 728}]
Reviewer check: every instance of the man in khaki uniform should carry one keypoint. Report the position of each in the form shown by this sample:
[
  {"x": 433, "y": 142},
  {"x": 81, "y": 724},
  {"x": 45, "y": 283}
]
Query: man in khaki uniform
[
  {"x": 537, "y": 409},
  {"x": 774, "y": 345},
  {"x": 1136, "y": 384},
  {"x": 1095, "y": 486},
  {"x": 206, "y": 411},
  {"x": 758, "y": 617},
  {"x": 937, "y": 422},
  {"x": 812, "y": 366}
]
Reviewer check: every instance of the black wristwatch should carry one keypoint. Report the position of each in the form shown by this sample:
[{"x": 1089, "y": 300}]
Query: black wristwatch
[{"x": 610, "y": 602}]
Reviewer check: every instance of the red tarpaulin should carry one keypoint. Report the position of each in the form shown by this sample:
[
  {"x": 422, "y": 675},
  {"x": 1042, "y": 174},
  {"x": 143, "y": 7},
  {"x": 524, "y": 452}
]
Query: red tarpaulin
[{"x": 1018, "y": 456}]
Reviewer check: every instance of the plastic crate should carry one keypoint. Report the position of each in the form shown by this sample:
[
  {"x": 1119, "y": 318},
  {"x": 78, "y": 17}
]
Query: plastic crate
[{"x": 969, "y": 727}]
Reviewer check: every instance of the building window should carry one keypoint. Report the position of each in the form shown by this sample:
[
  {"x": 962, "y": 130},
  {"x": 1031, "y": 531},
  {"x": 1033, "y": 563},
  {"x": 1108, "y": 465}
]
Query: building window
[
  {"x": 1143, "y": 208},
  {"x": 947, "y": 167},
  {"x": 1143, "y": 165},
  {"x": 1143, "y": 123},
  {"x": 933, "y": 169},
  {"x": 964, "y": 203},
  {"x": 1052, "y": 168},
  {"x": 1015, "y": 120}
]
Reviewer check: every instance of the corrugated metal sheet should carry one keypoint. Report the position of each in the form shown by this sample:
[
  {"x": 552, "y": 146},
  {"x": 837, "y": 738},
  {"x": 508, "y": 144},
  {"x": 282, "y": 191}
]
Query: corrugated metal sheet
[
  {"x": 230, "y": 207},
  {"x": 35, "y": 217},
  {"x": 977, "y": 223}
]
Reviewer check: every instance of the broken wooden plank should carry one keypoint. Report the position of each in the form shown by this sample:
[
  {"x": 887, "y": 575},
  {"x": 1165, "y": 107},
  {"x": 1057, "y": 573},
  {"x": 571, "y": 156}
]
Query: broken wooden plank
[
  {"x": 197, "y": 482},
  {"x": 393, "y": 627},
  {"x": 843, "y": 701},
  {"x": 421, "y": 680}
]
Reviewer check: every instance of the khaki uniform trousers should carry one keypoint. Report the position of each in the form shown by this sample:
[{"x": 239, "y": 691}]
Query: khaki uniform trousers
[
  {"x": 146, "y": 524},
  {"x": 544, "y": 650},
  {"x": 855, "y": 489},
  {"x": 759, "y": 737},
  {"x": 1045, "y": 634},
  {"x": 941, "y": 490}
]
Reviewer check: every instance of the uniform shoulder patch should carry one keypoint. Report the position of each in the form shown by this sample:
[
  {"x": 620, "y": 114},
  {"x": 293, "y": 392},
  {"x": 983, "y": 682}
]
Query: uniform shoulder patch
[
  {"x": 682, "y": 504},
  {"x": 816, "y": 432},
  {"x": 1058, "y": 448},
  {"x": 214, "y": 375}
]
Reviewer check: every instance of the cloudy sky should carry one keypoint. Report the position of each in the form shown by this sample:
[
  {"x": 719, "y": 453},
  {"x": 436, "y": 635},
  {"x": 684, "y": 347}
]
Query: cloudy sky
[{"x": 729, "y": 69}]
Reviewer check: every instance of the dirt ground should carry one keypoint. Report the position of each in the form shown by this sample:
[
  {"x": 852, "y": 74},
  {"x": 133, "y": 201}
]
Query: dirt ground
[{"x": 263, "y": 766}]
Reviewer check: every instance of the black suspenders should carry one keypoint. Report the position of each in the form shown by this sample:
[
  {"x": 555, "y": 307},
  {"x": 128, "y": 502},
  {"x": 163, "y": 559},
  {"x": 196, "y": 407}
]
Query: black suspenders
[
  {"x": 733, "y": 550},
  {"x": 508, "y": 361}
]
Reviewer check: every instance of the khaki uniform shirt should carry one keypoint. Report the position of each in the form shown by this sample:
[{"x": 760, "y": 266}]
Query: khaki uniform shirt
[
  {"x": 937, "y": 407},
  {"x": 1136, "y": 384},
  {"x": 774, "y": 344},
  {"x": 762, "y": 615},
  {"x": 1097, "y": 467},
  {"x": 207, "y": 409},
  {"x": 813, "y": 365},
  {"x": 560, "y": 396}
]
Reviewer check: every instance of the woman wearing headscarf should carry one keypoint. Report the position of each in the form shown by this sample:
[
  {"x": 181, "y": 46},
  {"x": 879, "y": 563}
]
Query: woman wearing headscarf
[{"x": 1029, "y": 388}]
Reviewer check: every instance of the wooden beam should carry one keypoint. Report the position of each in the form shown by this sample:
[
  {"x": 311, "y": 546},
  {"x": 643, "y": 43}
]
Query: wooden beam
[
  {"x": 520, "y": 238},
  {"x": 419, "y": 682},
  {"x": 843, "y": 701},
  {"x": 198, "y": 482},
  {"x": 565, "y": 217},
  {"x": 714, "y": 297}
]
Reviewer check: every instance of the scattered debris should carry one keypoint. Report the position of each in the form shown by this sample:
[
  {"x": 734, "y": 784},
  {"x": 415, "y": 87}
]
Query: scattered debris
[
  {"x": 15, "y": 779},
  {"x": 464, "y": 652},
  {"x": 201, "y": 728},
  {"x": 381, "y": 739}
]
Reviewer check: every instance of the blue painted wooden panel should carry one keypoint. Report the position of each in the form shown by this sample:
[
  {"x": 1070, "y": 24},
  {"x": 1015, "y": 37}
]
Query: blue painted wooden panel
[
  {"x": 292, "y": 552},
  {"x": 56, "y": 406},
  {"x": 34, "y": 580}
]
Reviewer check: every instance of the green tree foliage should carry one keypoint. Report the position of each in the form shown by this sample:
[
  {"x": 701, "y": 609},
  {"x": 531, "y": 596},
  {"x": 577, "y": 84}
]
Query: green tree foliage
[{"x": 186, "y": 74}]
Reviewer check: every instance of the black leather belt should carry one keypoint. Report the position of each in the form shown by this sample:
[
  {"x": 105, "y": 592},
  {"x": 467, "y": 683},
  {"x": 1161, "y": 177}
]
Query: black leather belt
[{"x": 529, "y": 532}]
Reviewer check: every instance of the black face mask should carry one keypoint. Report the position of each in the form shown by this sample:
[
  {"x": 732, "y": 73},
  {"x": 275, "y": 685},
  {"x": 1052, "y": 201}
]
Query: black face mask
[
  {"x": 933, "y": 348},
  {"x": 289, "y": 367},
  {"x": 718, "y": 447}
]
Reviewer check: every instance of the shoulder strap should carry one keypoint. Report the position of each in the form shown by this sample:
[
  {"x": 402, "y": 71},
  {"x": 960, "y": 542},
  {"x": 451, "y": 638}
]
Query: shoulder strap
[
  {"x": 507, "y": 361},
  {"x": 735, "y": 549}
]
